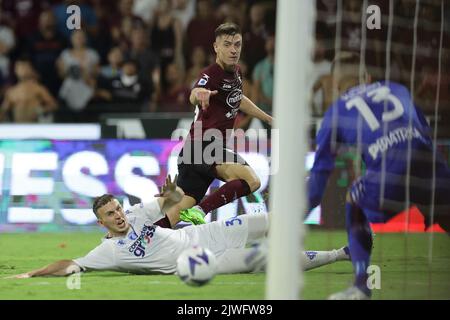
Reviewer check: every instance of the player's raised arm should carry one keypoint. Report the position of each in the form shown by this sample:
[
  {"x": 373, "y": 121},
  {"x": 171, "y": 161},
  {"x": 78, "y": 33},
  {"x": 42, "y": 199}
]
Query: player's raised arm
[
  {"x": 252, "y": 109},
  {"x": 58, "y": 268},
  {"x": 170, "y": 194},
  {"x": 323, "y": 161}
]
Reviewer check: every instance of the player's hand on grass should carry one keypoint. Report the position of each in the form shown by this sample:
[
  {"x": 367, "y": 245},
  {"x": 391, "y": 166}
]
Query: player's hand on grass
[
  {"x": 25, "y": 275},
  {"x": 202, "y": 95}
]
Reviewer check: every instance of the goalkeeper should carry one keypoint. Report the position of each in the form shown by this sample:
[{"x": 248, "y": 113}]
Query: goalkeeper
[{"x": 393, "y": 139}]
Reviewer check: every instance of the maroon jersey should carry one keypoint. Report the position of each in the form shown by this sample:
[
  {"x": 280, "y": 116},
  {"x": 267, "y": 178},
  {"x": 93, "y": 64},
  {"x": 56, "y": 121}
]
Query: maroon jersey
[{"x": 223, "y": 107}]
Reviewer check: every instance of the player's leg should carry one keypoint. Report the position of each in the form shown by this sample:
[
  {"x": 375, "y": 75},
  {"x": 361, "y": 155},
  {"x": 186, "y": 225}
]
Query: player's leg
[
  {"x": 173, "y": 213},
  {"x": 241, "y": 230},
  {"x": 254, "y": 259},
  {"x": 234, "y": 261},
  {"x": 233, "y": 233},
  {"x": 240, "y": 180},
  {"x": 360, "y": 248},
  {"x": 194, "y": 182},
  {"x": 315, "y": 259}
]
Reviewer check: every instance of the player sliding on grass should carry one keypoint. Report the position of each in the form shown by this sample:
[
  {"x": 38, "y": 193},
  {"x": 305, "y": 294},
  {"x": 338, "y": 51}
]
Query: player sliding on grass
[
  {"x": 393, "y": 139},
  {"x": 218, "y": 98},
  {"x": 137, "y": 245}
]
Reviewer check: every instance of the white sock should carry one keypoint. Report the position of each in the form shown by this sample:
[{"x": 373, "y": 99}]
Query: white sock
[
  {"x": 254, "y": 260},
  {"x": 314, "y": 259},
  {"x": 342, "y": 255},
  {"x": 234, "y": 261}
]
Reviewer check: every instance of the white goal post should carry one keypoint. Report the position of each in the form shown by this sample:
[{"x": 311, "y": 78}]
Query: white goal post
[{"x": 293, "y": 65}]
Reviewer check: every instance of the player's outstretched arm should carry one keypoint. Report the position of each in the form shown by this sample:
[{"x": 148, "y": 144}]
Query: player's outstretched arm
[
  {"x": 58, "y": 268},
  {"x": 248, "y": 107},
  {"x": 200, "y": 96}
]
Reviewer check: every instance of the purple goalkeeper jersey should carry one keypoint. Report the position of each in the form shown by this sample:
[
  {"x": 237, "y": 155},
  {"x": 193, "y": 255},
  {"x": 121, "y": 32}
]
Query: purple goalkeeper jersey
[{"x": 393, "y": 138}]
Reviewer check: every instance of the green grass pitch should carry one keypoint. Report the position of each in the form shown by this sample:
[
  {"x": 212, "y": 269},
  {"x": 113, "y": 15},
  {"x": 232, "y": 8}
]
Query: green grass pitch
[{"x": 402, "y": 258}]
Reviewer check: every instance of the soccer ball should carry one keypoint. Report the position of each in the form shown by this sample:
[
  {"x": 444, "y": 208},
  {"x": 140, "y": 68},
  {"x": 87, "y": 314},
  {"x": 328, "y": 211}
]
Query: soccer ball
[{"x": 196, "y": 266}]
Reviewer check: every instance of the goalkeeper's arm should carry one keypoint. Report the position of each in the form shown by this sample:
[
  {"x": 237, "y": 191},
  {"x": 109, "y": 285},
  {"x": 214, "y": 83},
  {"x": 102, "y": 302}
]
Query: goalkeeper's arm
[{"x": 58, "y": 268}]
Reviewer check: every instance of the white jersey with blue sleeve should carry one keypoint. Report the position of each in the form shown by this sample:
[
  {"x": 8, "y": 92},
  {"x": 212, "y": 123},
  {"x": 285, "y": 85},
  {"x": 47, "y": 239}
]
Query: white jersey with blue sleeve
[{"x": 146, "y": 248}]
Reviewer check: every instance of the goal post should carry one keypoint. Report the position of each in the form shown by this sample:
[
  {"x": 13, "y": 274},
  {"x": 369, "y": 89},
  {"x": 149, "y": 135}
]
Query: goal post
[{"x": 293, "y": 63}]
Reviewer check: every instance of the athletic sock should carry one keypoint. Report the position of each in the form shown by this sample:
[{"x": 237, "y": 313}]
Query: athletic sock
[
  {"x": 343, "y": 254},
  {"x": 360, "y": 244},
  {"x": 227, "y": 193},
  {"x": 314, "y": 259},
  {"x": 163, "y": 223}
]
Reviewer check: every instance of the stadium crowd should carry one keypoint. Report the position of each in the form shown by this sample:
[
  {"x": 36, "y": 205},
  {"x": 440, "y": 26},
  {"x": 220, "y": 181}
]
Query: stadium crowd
[{"x": 145, "y": 55}]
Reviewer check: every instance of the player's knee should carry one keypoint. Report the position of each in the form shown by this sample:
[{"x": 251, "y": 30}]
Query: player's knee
[{"x": 254, "y": 183}]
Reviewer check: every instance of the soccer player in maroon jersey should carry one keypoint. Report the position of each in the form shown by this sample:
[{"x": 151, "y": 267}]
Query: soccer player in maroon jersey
[{"x": 218, "y": 97}]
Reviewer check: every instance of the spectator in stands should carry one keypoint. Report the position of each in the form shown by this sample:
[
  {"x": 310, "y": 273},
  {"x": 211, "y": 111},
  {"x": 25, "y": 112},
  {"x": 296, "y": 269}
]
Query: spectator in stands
[
  {"x": 351, "y": 26},
  {"x": 200, "y": 30},
  {"x": 148, "y": 61},
  {"x": 27, "y": 101},
  {"x": 126, "y": 92},
  {"x": 326, "y": 12},
  {"x": 254, "y": 36},
  {"x": 7, "y": 44},
  {"x": 263, "y": 77},
  {"x": 145, "y": 10},
  {"x": 102, "y": 41},
  {"x": 428, "y": 86},
  {"x": 124, "y": 24},
  {"x": 321, "y": 78},
  {"x": 115, "y": 59},
  {"x": 243, "y": 120},
  {"x": 79, "y": 67},
  {"x": 184, "y": 10},
  {"x": 198, "y": 63},
  {"x": 44, "y": 47},
  {"x": 167, "y": 37},
  {"x": 175, "y": 97},
  {"x": 233, "y": 11},
  {"x": 24, "y": 16}
]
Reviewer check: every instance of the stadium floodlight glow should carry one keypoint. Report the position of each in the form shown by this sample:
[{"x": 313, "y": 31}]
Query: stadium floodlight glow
[{"x": 295, "y": 33}]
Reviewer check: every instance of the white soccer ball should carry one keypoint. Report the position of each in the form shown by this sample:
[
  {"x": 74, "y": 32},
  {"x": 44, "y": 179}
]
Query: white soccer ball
[{"x": 196, "y": 266}]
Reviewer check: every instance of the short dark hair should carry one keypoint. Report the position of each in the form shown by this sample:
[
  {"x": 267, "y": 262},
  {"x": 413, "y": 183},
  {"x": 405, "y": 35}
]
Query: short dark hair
[
  {"x": 228, "y": 28},
  {"x": 101, "y": 201},
  {"x": 24, "y": 59},
  {"x": 131, "y": 61}
]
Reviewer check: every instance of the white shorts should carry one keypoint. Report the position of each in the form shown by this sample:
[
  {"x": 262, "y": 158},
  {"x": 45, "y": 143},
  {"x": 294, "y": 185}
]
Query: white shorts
[{"x": 219, "y": 236}]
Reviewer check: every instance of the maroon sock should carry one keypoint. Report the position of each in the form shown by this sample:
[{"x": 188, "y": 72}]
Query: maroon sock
[
  {"x": 227, "y": 193},
  {"x": 163, "y": 223}
]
